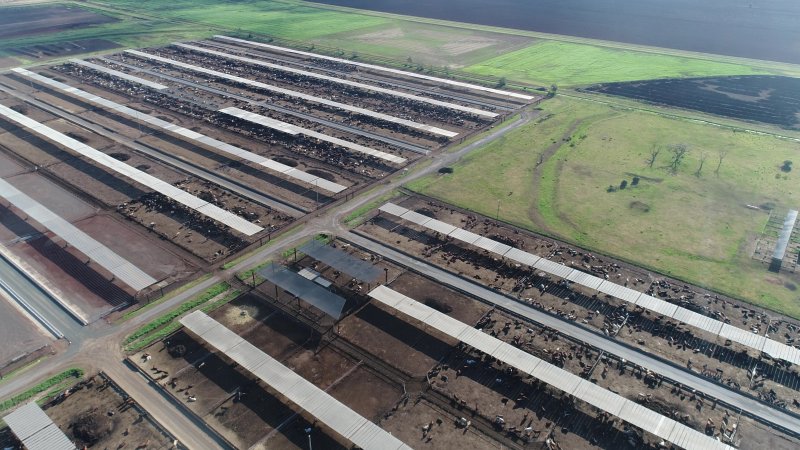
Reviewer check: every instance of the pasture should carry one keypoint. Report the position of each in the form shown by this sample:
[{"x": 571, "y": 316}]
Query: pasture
[
  {"x": 553, "y": 176},
  {"x": 518, "y": 56}
]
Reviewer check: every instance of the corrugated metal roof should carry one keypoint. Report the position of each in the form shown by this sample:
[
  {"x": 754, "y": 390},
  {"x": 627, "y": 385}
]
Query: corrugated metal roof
[
  {"x": 367, "y": 87},
  {"x": 785, "y": 235},
  {"x": 282, "y": 91},
  {"x": 464, "y": 235},
  {"x": 321, "y": 298},
  {"x": 656, "y": 305},
  {"x": 553, "y": 268},
  {"x": 696, "y": 320},
  {"x": 335, "y": 415},
  {"x": 380, "y": 68},
  {"x": 294, "y": 130},
  {"x": 744, "y": 337},
  {"x": 192, "y": 135},
  {"x": 584, "y": 279},
  {"x": 599, "y": 397},
  {"x": 137, "y": 175},
  {"x": 647, "y": 419},
  {"x": 522, "y": 257},
  {"x": 568, "y": 382},
  {"x": 439, "y": 226},
  {"x": 118, "y": 74},
  {"x": 620, "y": 292},
  {"x": 97, "y": 252},
  {"x": 492, "y": 246},
  {"x": 632, "y": 296},
  {"x": 415, "y": 217},
  {"x": 35, "y": 429}
]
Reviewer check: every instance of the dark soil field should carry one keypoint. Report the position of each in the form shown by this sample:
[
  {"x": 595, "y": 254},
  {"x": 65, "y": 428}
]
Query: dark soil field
[
  {"x": 19, "y": 333},
  {"x": 759, "y": 29},
  {"x": 16, "y": 22},
  {"x": 772, "y": 100}
]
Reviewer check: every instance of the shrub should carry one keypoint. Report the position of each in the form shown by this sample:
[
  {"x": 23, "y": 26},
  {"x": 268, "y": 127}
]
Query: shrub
[
  {"x": 623, "y": 185},
  {"x": 635, "y": 181},
  {"x": 787, "y": 166}
]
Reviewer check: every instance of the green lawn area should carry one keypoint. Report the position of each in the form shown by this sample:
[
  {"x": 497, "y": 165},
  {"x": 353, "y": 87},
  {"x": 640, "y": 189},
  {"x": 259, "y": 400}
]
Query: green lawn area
[
  {"x": 694, "y": 228},
  {"x": 569, "y": 64}
]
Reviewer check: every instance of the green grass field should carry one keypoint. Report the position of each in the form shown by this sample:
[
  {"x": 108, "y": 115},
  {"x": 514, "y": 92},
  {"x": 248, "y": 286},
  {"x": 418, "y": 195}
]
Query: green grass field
[
  {"x": 569, "y": 64},
  {"x": 696, "y": 228},
  {"x": 519, "y": 56}
]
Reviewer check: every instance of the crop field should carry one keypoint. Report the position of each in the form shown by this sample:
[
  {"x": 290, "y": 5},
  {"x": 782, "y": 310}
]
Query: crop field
[
  {"x": 554, "y": 175},
  {"x": 570, "y": 64},
  {"x": 480, "y": 51},
  {"x": 772, "y": 100}
]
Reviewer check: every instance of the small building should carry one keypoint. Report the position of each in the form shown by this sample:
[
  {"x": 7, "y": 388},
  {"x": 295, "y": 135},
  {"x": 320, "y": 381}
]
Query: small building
[{"x": 783, "y": 241}]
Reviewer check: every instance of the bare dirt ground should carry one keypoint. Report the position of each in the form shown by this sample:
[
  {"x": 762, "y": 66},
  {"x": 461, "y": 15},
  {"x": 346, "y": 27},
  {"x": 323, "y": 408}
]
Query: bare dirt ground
[
  {"x": 19, "y": 334},
  {"x": 257, "y": 417},
  {"x": 65, "y": 270},
  {"x": 704, "y": 353},
  {"x": 408, "y": 421},
  {"x": 16, "y": 22},
  {"x": 96, "y": 410}
]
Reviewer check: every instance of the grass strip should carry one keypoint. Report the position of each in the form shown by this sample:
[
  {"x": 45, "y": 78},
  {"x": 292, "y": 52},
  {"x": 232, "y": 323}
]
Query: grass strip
[
  {"x": 174, "y": 326},
  {"x": 131, "y": 314},
  {"x": 148, "y": 328},
  {"x": 41, "y": 387}
]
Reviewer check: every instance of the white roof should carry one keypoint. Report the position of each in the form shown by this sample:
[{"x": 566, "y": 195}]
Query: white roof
[
  {"x": 287, "y": 92},
  {"x": 383, "y": 69},
  {"x": 366, "y": 87},
  {"x": 464, "y": 235},
  {"x": 118, "y": 74},
  {"x": 492, "y": 246},
  {"x": 137, "y": 175},
  {"x": 415, "y": 217},
  {"x": 626, "y": 294},
  {"x": 568, "y": 382},
  {"x": 620, "y": 292},
  {"x": 294, "y": 130},
  {"x": 744, "y": 337},
  {"x": 696, "y": 320},
  {"x": 97, "y": 252},
  {"x": 656, "y": 305},
  {"x": 337, "y": 416},
  {"x": 391, "y": 208},
  {"x": 522, "y": 257},
  {"x": 439, "y": 226},
  {"x": 584, "y": 279},
  {"x": 189, "y": 134},
  {"x": 553, "y": 268},
  {"x": 35, "y": 429}
]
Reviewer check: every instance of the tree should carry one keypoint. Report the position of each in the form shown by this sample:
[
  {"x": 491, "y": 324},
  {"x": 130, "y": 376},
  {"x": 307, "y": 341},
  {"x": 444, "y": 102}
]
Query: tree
[
  {"x": 623, "y": 185},
  {"x": 787, "y": 166},
  {"x": 552, "y": 92},
  {"x": 721, "y": 154},
  {"x": 635, "y": 181},
  {"x": 703, "y": 157},
  {"x": 679, "y": 152},
  {"x": 654, "y": 151}
]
